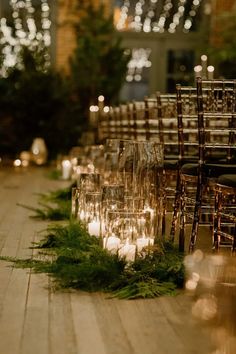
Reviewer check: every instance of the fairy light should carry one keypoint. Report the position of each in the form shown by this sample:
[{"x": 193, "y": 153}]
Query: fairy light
[
  {"x": 192, "y": 13},
  {"x": 150, "y": 15},
  {"x": 159, "y": 26},
  {"x": 123, "y": 15},
  {"x": 177, "y": 16},
  {"x": 27, "y": 33},
  {"x": 138, "y": 62},
  {"x": 137, "y": 23}
]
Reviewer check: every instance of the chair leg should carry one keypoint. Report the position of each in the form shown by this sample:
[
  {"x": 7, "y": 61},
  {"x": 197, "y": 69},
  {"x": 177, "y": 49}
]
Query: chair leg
[
  {"x": 176, "y": 209},
  {"x": 164, "y": 205},
  {"x": 182, "y": 216},
  {"x": 196, "y": 216},
  {"x": 234, "y": 240},
  {"x": 217, "y": 219}
]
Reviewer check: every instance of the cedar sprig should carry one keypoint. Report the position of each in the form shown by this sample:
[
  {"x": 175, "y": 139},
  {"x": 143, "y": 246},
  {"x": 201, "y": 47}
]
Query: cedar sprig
[
  {"x": 78, "y": 261},
  {"x": 57, "y": 211}
]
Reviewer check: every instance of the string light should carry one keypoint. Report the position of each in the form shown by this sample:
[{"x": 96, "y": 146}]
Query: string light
[
  {"x": 192, "y": 13},
  {"x": 151, "y": 15},
  {"x": 137, "y": 23},
  {"x": 123, "y": 15},
  {"x": 34, "y": 36},
  {"x": 138, "y": 62}
]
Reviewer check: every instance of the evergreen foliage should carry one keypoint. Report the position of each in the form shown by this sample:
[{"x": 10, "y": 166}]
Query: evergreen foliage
[
  {"x": 62, "y": 194},
  {"x": 60, "y": 210},
  {"x": 78, "y": 261},
  {"x": 99, "y": 63},
  {"x": 55, "y": 205},
  {"x": 35, "y": 101}
]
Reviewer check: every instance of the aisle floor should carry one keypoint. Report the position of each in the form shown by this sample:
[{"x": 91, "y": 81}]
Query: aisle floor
[{"x": 34, "y": 319}]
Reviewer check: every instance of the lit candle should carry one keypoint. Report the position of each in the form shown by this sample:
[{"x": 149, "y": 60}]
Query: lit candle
[
  {"x": 93, "y": 114},
  {"x": 144, "y": 242},
  {"x": 25, "y": 158},
  {"x": 112, "y": 243},
  {"x": 17, "y": 163},
  {"x": 204, "y": 66},
  {"x": 198, "y": 71},
  {"x": 210, "y": 72},
  {"x": 82, "y": 215},
  {"x": 94, "y": 228},
  {"x": 101, "y": 99},
  {"x": 128, "y": 251},
  {"x": 66, "y": 169}
]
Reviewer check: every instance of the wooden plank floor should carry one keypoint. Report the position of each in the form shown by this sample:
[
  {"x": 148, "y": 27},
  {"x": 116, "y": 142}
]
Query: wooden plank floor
[{"x": 36, "y": 320}]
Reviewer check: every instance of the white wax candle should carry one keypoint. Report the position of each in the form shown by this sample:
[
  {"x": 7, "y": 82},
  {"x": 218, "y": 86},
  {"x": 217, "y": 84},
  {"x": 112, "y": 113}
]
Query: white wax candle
[
  {"x": 112, "y": 243},
  {"x": 144, "y": 242},
  {"x": 66, "y": 169},
  {"x": 127, "y": 251},
  {"x": 82, "y": 215},
  {"x": 198, "y": 71},
  {"x": 94, "y": 228},
  {"x": 210, "y": 72}
]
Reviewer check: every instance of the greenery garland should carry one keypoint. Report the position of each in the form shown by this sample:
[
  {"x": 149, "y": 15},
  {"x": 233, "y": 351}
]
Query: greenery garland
[
  {"x": 55, "y": 205},
  {"x": 58, "y": 211},
  {"x": 77, "y": 260}
]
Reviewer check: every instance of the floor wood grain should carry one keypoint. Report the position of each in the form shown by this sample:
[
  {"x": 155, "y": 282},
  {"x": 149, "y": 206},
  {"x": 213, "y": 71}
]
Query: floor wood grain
[{"x": 36, "y": 320}]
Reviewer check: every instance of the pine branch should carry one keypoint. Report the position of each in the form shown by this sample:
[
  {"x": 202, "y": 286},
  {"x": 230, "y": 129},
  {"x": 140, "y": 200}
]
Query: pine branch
[
  {"x": 78, "y": 261},
  {"x": 47, "y": 212}
]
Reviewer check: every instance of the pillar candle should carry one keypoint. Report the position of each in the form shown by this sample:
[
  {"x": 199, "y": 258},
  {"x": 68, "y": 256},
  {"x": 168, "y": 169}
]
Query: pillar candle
[
  {"x": 66, "y": 169},
  {"x": 144, "y": 242},
  {"x": 94, "y": 228},
  {"x": 128, "y": 251},
  {"x": 112, "y": 243}
]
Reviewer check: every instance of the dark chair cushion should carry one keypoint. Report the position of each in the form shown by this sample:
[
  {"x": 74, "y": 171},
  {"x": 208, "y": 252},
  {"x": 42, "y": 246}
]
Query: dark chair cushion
[
  {"x": 171, "y": 157},
  {"x": 190, "y": 169},
  {"x": 215, "y": 170},
  {"x": 211, "y": 170},
  {"x": 171, "y": 164},
  {"x": 227, "y": 180}
]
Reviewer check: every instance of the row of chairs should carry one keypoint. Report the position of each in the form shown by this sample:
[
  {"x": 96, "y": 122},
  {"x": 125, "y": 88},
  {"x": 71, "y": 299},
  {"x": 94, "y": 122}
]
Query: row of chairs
[{"x": 197, "y": 128}]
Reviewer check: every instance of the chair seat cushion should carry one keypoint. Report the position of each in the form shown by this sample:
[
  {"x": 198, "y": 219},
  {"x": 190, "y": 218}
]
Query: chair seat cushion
[
  {"x": 190, "y": 169},
  {"x": 171, "y": 164},
  {"x": 215, "y": 170},
  {"x": 227, "y": 180},
  {"x": 171, "y": 157},
  {"x": 211, "y": 170}
]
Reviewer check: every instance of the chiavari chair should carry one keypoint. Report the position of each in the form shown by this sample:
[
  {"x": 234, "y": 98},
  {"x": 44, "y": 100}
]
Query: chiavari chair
[
  {"x": 109, "y": 124},
  {"x": 186, "y": 101},
  {"x": 224, "y": 231},
  {"x": 166, "y": 118},
  {"x": 215, "y": 108},
  {"x": 162, "y": 125},
  {"x": 116, "y": 123}
]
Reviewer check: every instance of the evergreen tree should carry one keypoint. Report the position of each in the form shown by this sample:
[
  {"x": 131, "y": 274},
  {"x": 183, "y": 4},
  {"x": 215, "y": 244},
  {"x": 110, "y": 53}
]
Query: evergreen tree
[
  {"x": 99, "y": 63},
  {"x": 36, "y": 103}
]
